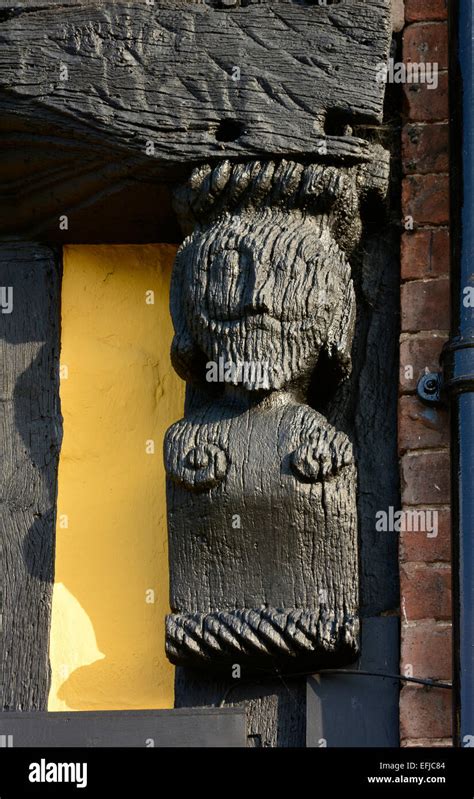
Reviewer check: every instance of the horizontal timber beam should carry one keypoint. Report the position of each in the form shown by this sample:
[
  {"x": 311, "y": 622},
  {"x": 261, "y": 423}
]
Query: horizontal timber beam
[
  {"x": 184, "y": 728},
  {"x": 98, "y": 97}
]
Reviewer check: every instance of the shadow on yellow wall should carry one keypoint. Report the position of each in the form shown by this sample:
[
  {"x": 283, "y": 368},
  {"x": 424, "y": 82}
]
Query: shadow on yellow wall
[{"x": 118, "y": 394}]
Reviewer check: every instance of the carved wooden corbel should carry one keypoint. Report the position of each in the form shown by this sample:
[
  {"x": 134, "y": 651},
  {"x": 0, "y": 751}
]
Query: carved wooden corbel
[{"x": 262, "y": 509}]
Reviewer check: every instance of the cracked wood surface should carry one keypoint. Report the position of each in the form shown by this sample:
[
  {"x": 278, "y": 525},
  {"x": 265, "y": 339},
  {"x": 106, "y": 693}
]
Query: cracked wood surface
[
  {"x": 30, "y": 434},
  {"x": 164, "y": 74}
]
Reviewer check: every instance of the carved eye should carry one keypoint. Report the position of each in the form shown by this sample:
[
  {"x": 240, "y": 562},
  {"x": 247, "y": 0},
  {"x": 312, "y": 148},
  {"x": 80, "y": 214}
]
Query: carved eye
[{"x": 229, "y": 260}]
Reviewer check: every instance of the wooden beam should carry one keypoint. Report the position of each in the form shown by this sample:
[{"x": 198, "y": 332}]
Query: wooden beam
[
  {"x": 30, "y": 435},
  {"x": 104, "y": 95},
  {"x": 347, "y": 710},
  {"x": 188, "y": 728}
]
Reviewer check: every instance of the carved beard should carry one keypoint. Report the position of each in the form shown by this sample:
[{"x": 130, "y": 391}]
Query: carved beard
[{"x": 269, "y": 290}]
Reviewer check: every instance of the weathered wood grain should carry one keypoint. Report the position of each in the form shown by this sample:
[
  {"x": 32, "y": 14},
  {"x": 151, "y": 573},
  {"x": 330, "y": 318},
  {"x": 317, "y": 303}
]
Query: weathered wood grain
[
  {"x": 364, "y": 407},
  {"x": 30, "y": 436},
  {"x": 162, "y": 77},
  {"x": 275, "y": 706},
  {"x": 372, "y": 424},
  {"x": 164, "y": 72},
  {"x": 276, "y": 709},
  {"x": 267, "y": 574}
]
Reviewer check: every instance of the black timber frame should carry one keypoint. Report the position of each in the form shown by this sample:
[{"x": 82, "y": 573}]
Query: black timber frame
[{"x": 190, "y": 728}]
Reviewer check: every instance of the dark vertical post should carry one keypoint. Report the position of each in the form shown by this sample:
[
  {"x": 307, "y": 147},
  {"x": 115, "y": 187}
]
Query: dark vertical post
[
  {"x": 459, "y": 362},
  {"x": 30, "y": 438}
]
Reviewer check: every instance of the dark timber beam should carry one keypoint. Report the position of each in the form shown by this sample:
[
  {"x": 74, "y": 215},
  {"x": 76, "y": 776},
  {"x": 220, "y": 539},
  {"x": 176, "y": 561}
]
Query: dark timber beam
[
  {"x": 193, "y": 727},
  {"x": 30, "y": 436},
  {"x": 101, "y": 97}
]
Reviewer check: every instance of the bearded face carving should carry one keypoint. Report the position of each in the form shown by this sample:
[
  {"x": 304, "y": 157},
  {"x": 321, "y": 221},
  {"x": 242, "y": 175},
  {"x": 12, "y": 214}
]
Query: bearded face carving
[
  {"x": 261, "y": 488},
  {"x": 251, "y": 285}
]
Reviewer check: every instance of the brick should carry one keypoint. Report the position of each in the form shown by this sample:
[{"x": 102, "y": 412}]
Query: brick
[
  {"x": 425, "y": 712},
  {"x": 425, "y": 253},
  {"x": 425, "y": 582},
  {"x": 426, "y": 199},
  {"x": 426, "y": 43},
  {"x": 425, "y": 478},
  {"x": 422, "y": 104},
  {"x": 418, "y": 546},
  {"x": 427, "y": 648},
  {"x": 425, "y": 148},
  {"x": 418, "y": 353},
  {"x": 421, "y": 426},
  {"x": 425, "y": 591},
  {"x": 420, "y": 10},
  {"x": 425, "y": 305}
]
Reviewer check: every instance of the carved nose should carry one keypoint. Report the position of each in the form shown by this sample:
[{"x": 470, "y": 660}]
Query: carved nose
[{"x": 257, "y": 299}]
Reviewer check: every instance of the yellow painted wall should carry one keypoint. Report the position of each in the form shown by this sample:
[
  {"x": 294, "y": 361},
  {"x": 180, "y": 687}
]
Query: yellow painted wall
[{"x": 118, "y": 392}]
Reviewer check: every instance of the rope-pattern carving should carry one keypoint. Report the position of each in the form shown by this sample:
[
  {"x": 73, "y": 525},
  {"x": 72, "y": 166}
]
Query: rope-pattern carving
[
  {"x": 314, "y": 188},
  {"x": 248, "y": 632}
]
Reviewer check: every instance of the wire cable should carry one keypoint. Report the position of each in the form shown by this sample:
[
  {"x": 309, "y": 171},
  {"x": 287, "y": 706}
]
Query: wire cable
[{"x": 351, "y": 672}]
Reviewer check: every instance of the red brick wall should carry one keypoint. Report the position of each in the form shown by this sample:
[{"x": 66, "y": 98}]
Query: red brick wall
[{"x": 425, "y": 713}]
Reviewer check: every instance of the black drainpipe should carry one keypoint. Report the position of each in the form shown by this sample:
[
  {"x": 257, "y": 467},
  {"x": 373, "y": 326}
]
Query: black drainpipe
[
  {"x": 456, "y": 385},
  {"x": 458, "y": 362}
]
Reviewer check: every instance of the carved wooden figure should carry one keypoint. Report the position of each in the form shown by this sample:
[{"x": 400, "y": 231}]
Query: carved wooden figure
[{"x": 262, "y": 507}]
